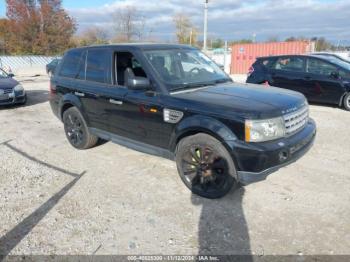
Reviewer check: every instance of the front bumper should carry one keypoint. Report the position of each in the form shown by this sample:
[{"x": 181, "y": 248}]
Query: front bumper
[
  {"x": 15, "y": 98},
  {"x": 256, "y": 161}
]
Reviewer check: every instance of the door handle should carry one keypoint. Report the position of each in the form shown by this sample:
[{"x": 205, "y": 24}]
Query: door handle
[
  {"x": 79, "y": 94},
  {"x": 115, "y": 102}
]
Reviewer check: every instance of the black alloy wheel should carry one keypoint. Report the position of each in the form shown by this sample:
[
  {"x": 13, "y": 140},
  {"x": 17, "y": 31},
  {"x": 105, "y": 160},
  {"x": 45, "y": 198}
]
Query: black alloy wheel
[
  {"x": 205, "y": 166},
  {"x": 77, "y": 131}
]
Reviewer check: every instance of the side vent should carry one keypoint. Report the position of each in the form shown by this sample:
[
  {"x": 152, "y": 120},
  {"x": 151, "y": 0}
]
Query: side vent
[{"x": 172, "y": 116}]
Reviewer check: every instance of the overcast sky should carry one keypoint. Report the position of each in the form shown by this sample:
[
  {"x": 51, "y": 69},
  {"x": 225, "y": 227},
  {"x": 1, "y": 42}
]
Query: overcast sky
[{"x": 228, "y": 19}]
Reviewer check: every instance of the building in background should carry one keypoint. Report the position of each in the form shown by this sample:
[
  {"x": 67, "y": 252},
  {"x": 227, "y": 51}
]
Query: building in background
[{"x": 244, "y": 55}]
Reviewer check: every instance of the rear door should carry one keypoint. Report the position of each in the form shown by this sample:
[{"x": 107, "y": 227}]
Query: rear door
[
  {"x": 289, "y": 72},
  {"x": 323, "y": 81}
]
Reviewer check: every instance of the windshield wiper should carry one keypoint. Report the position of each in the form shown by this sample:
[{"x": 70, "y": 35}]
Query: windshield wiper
[
  {"x": 198, "y": 85},
  {"x": 223, "y": 80},
  {"x": 187, "y": 86}
]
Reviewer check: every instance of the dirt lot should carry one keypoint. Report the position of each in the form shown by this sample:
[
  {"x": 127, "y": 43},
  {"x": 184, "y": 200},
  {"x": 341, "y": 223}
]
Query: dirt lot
[{"x": 112, "y": 200}]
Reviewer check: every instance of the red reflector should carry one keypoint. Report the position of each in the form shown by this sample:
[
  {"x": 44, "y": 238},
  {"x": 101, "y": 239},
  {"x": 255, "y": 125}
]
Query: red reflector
[
  {"x": 250, "y": 70},
  {"x": 52, "y": 88}
]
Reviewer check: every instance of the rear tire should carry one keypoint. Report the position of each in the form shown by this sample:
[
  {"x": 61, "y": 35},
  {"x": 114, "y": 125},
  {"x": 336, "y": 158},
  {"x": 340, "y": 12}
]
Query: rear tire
[
  {"x": 205, "y": 166},
  {"x": 77, "y": 131},
  {"x": 347, "y": 102}
]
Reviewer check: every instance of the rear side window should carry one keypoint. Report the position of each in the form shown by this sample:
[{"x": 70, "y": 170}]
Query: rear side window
[
  {"x": 267, "y": 63},
  {"x": 295, "y": 64},
  {"x": 98, "y": 67},
  {"x": 73, "y": 65}
]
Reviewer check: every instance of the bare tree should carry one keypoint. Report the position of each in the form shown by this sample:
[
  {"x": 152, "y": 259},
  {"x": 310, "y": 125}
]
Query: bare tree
[
  {"x": 186, "y": 33},
  {"x": 129, "y": 24},
  {"x": 92, "y": 36}
]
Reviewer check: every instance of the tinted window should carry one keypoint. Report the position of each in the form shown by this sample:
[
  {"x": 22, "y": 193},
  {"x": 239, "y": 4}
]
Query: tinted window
[
  {"x": 267, "y": 63},
  {"x": 319, "y": 67},
  {"x": 344, "y": 74},
  {"x": 73, "y": 65},
  {"x": 99, "y": 66},
  {"x": 290, "y": 64}
]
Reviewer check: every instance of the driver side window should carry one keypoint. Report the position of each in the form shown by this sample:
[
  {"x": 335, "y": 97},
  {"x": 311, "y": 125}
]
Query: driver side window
[
  {"x": 126, "y": 64},
  {"x": 319, "y": 67}
]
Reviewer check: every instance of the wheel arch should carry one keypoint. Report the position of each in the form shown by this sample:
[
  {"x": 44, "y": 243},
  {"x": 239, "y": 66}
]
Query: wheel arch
[
  {"x": 201, "y": 124},
  {"x": 69, "y": 101},
  {"x": 341, "y": 100}
]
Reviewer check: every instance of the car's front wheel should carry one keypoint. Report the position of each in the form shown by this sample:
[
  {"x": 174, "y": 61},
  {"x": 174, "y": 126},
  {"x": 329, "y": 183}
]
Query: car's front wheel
[
  {"x": 77, "y": 131},
  {"x": 205, "y": 166},
  {"x": 347, "y": 102}
]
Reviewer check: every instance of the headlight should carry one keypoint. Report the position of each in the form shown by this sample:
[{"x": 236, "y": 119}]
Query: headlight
[
  {"x": 264, "y": 130},
  {"x": 18, "y": 88}
]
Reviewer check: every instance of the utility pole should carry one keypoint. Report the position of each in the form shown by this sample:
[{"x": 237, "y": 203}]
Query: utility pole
[{"x": 205, "y": 24}]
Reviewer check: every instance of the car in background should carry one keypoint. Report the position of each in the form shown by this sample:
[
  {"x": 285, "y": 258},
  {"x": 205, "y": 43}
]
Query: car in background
[
  {"x": 11, "y": 91},
  {"x": 321, "y": 79},
  {"x": 50, "y": 67},
  {"x": 330, "y": 55}
]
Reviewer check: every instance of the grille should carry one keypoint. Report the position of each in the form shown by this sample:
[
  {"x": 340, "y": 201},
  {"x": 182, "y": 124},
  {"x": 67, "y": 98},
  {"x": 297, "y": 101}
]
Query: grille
[
  {"x": 7, "y": 91},
  {"x": 296, "y": 120}
]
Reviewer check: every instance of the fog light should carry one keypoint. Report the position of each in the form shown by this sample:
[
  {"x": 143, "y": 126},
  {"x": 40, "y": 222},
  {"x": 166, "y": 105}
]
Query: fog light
[{"x": 283, "y": 156}]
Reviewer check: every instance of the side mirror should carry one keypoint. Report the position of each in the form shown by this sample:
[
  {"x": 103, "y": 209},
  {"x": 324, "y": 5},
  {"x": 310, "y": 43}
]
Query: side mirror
[
  {"x": 335, "y": 75},
  {"x": 138, "y": 83},
  {"x": 11, "y": 75}
]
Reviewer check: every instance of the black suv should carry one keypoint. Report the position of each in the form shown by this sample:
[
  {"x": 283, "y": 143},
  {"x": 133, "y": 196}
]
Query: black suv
[
  {"x": 173, "y": 101},
  {"x": 322, "y": 79}
]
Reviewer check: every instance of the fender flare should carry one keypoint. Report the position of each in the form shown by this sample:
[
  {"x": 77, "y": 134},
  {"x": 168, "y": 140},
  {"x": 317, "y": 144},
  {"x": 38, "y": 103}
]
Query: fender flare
[
  {"x": 201, "y": 124},
  {"x": 342, "y": 98},
  {"x": 70, "y": 99}
]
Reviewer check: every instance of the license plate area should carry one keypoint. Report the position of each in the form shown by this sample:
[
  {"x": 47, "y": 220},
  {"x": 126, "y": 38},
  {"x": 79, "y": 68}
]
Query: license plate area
[{"x": 4, "y": 97}]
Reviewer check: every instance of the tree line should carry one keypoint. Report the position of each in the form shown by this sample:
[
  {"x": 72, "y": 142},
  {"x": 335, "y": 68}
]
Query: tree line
[{"x": 43, "y": 27}]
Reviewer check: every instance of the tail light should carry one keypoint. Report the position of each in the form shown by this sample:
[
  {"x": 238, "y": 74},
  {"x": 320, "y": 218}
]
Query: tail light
[
  {"x": 250, "y": 70},
  {"x": 52, "y": 88}
]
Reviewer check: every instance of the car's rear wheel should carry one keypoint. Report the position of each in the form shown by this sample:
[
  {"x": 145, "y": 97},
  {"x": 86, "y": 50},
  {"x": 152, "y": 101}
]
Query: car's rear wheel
[
  {"x": 205, "y": 166},
  {"x": 347, "y": 102},
  {"x": 76, "y": 130}
]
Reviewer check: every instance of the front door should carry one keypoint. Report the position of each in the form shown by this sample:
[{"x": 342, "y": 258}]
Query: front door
[
  {"x": 324, "y": 83},
  {"x": 140, "y": 117}
]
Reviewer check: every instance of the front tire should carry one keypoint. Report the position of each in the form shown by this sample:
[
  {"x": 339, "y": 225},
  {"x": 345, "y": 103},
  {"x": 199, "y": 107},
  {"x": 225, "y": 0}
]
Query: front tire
[
  {"x": 205, "y": 166},
  {"x": 347, "y": 102},
  {"x": 77, "y": 131}
]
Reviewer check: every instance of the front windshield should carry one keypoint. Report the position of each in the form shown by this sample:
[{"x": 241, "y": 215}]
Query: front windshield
[
  {"x": 339, "y": 62},
  {"x": 185, "y": 68},
  {"x": 3, "y": 74}
]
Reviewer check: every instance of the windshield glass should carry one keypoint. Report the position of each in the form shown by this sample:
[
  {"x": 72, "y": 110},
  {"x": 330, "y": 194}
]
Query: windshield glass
[
  {"x": 185, "y": 68},
  {"x": 3, "y": 74},
  {"x": 339, "y": 62}
]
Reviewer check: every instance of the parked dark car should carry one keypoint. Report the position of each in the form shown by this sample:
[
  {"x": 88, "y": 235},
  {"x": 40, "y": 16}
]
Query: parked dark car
[
  {"x": 173, "y": 101},
  {"x": 321, "y": 79},
  {"x": 11, "y": 91},
  {"x": 330, "y": 55},
  {"x": 50, "y": 67}
]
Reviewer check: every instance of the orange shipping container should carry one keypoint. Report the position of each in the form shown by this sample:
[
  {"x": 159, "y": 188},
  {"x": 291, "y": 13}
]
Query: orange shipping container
[{"x": 244, "y": 55}]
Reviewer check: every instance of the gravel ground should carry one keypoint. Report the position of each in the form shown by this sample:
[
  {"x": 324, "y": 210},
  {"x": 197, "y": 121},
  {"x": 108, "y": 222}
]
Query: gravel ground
[{"x": 112, "y": 200}]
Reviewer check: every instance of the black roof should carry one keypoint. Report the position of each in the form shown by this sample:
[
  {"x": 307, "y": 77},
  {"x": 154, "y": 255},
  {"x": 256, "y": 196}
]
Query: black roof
[
  {"x": 142, "y": 46},
  {"x": 278, "y": 56}
]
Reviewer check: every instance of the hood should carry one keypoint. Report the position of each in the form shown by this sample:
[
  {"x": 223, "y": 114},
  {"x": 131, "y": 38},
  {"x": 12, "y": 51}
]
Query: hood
[
  {"x": 247, "y": 100},
  {"x": 7, "y": 83}
]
